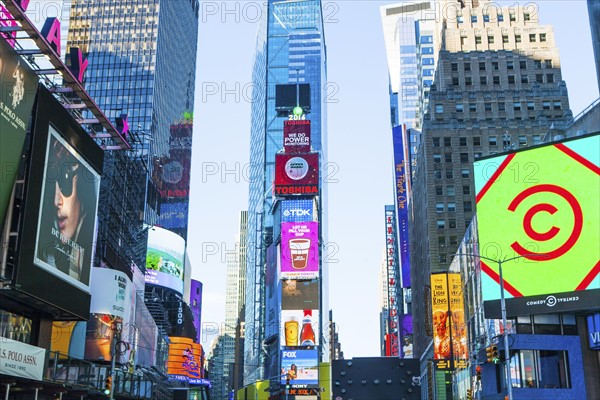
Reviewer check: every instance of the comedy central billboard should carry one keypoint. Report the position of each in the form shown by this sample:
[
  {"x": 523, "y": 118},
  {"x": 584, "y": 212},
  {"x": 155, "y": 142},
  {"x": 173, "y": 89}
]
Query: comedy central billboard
[
  {"x": 296, "y": 174},
  {"x": 538, "y": 214},
  {"x": 164, "y": 259}
]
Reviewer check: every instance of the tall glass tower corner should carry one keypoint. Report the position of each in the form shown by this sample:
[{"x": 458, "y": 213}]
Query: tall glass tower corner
[{"x": 290, "y": 49}]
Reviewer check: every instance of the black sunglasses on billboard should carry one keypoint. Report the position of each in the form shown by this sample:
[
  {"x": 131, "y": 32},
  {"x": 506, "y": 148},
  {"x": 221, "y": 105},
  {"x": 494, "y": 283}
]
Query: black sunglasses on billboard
[{"x": 65, "y": 179}]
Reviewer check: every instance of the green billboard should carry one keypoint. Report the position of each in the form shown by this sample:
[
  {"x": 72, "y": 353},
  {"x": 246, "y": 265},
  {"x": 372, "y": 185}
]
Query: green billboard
[
  {"x": 537, "y": 217},
  {"x": 18, "y": 85}
]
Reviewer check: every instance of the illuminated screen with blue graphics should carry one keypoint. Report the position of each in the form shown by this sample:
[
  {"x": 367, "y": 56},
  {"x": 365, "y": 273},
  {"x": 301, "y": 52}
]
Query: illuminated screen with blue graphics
[{"x": 538, "y": 218}]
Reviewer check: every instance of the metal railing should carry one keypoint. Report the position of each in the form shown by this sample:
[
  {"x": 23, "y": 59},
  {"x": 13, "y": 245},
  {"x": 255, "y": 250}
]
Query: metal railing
[{"x": 81, "y": 374}]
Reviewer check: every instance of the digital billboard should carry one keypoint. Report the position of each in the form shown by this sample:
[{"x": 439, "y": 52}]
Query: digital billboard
[
  {"x": 56, "y": 243},
  {"x": 164, "y": 259},
  {"x": 297, "y": 294},
  {"x": 299, "y": 250},
  {"x": 402, "y": 188},
  {"x": 439, "y": 311},
  {"x": 302, "y": 366},
  {"x": 457, "y": 314},
  {"x": 393, "y": 285},
  {"x": 174, "y": 215},
  {"x": 196, "y": 306},
  {"x": 299, "y": 328},
  {"x": 18, "y": 87},
  {"x": 296, "y": 174},
  {"x": 537, "y": 216},
  {"x": 296, "y": 136},
  {"x": 185, "y": 358},
  {"x": 171, "y": 174},
  {"x": 111, "y": 293},
  {"x": 297, "y": 210}
]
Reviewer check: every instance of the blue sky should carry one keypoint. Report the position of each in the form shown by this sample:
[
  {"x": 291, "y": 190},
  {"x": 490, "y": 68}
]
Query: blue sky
[{"x": 359, "y": 146}]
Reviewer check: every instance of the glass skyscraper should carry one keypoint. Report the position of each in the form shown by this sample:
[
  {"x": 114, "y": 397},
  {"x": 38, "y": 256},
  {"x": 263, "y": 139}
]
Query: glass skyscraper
[
  {"x": 290, "y": 49},
  {"x": 142, "y": 62},
  {"x": 142, "y": 59}
]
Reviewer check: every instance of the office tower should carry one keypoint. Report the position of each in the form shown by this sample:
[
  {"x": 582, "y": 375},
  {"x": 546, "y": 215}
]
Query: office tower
[
  {"x": 217, "y": 369},
  {"x": 236, "y": 376},
  {"x": 294, "y": 32},
  {"x": 412, "y": 41},
  {"x": 594, "y": 13},
  {"x": 498, "y": 86},
  {"x": 235, "y": 295}
]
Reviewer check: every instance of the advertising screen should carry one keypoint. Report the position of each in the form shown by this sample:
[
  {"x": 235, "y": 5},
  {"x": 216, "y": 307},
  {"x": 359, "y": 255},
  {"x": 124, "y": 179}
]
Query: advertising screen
[
  {"x": 173, "y": 215},
  {"x": 67, "y": 219},
  {"x": 164, "y": 260},
  {"x": 299, "y": 328},
  {"x": 172, "y": 174},
  {"x": 536, "y": 215},
  {"x": 402, "y": 183},
  {"x": 18, "y": 87},
  {"x": 302, "y": 366},
  {"x": 296, "y": 136},
  {"x": 393, "y": 284},
  {"x": 297, "y": 210},
  {"x": 196, "y": 306},
  {"x": 56, "y": 238},
  {"x": 111, "y": 293},
  {"x": 287, "y": 96},
  {"x": 441, "y": 325},
  {"x": 406, "y": 333},
  {"x": 296, "y": 294},
  {"x": 299, "y": 250},
  {"x": 185, "y": 358},
  {"x": 457, "y": 320},
  {"x": 296, "y": 174}
]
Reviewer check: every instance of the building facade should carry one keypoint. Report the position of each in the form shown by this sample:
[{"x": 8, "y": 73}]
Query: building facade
[
  {"x": 498, "y": 86},
  {"x": 290, "y": 50}
]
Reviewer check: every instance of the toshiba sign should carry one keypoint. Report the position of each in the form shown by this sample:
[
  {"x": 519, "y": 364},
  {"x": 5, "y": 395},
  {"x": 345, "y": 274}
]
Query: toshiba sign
[
  {"x": 296, "y": 174},
  {"x": 296, "y": 136}
]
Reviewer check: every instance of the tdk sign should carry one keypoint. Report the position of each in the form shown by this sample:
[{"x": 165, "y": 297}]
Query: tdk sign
[{"x": 297, "y": 211}]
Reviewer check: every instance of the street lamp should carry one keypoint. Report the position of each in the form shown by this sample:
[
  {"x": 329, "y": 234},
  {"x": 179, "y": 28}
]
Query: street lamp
[{"x": 503, "y": 310}]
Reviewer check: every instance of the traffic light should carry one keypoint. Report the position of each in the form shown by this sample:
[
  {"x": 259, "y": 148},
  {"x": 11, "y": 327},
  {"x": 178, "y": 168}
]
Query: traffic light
[
  {"x": 108, "y": 385},
  {"x": 469, "y": 394},
  {"x": 287, "y": 382},
  {"x": 478, "y": 372},
  {"x": 492, "y": 354}
]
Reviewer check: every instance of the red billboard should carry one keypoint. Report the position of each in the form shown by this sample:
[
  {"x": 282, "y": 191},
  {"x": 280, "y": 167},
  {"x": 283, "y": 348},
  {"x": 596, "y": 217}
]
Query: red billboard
[
  {"x": 296, "y": 136},
  {"x": 296, "y": 174}
]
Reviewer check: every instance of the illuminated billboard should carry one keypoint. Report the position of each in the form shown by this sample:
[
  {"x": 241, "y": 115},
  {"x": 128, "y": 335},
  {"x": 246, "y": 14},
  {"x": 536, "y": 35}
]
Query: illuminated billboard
[
  {"x": 302, "y": 366},
  {"x": 299, "y": 250},
  {"x": 536, "y": 214},
  {"x": 174, "y": 215},
  {"x": 402, "y": 188},
  {"x": 19, "y": 85},
  {"x": 297, "y": 210},
  {"x": 296, "y": 174},
  {"x": 299, "y": 328},
  {"x": 185, "y": 358},
  {"x": 171, "y": 174},
  {"x": 164, "y": 260},
  {"x": 447, "y": 307},
  {"x": 296, "y": 136},
  {"x": 56, "y": 245},
  {"x": 296, "y": 294}
]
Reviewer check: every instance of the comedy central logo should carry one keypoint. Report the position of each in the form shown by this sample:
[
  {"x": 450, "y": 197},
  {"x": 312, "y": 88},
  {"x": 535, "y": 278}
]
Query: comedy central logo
[{"x": 296, "y": 168}]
